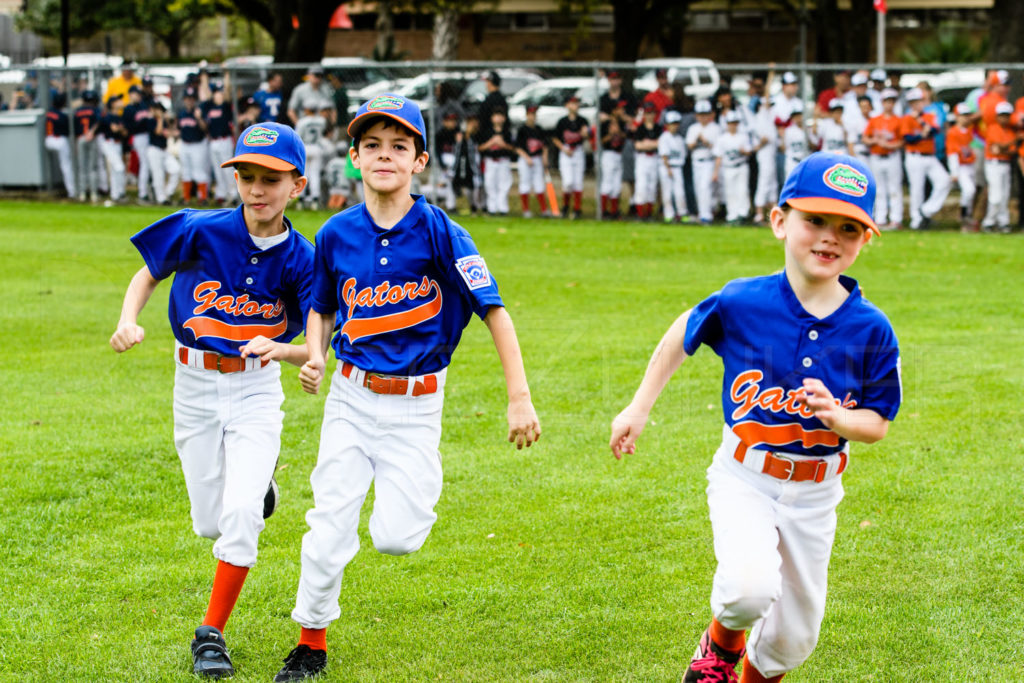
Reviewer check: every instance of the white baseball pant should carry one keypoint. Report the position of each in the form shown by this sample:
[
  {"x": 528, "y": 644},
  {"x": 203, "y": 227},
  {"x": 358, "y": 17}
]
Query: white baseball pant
[
  {"x": 571, "y": 168},
  {"x": 703, "y": 171},
  {"x": 773, "y": 540},
  {"x": 646, "y": 177},
  {"x": 59, "y": 145},
  {"x": 390, "y": 441},
  {"x": 997, "y": 177},
  {"x": 88, "y": 171},
  {"x": 531, "y": 174},
  {"x": 889, "y": 198},
  {"x": 222, "y": 149},
  {"x": 673, "y": 195},
  {"x": 497, "y": 183},
  {"x": 735, "y": 182},
  {"x": 314, "y": 171},
  {"x": 964, "y": 174},
  {"x": 920, "y": 167},
  {"x": 164, "y": 170},
  {"x": 114, "y": 157},
  {"x": 611, "y": 173},
  {"x": 195, "y": 162},
  {"x": 767, "y": 190},
  {"x": 445, "y": 189},
  {"x": 140, "y": 143},
  {"x": 227, "y": 430}
]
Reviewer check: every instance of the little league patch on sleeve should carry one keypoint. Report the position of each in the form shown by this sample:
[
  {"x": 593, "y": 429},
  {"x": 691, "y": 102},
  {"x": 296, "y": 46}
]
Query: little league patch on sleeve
[{"x": 474, "y": 271}]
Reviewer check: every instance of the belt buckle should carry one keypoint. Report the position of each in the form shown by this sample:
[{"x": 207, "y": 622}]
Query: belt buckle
[
  {"x": 377, "y": 384},
  {"x": 789, "y": 461},
  {"x": 219, "y": 368}
]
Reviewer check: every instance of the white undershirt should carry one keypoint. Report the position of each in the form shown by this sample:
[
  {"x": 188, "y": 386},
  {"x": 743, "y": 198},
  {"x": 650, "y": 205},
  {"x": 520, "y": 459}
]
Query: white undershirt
[{"x": 265, "y": 243}]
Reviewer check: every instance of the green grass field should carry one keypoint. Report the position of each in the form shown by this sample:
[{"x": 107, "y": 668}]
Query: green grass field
[{"x": 556, "y": 563}]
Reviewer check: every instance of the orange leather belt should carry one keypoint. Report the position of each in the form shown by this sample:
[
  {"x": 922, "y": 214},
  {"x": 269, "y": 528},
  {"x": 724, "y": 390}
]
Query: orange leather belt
[
  {"x": 786, "y": 468},
  {"x": 383, "y": 384},
  {"x": 215, "y": 361}
]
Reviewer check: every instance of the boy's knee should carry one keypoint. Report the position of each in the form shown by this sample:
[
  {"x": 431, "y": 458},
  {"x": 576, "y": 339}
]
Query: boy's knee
[
  {"x": 744, "y": 601},
  {"x": 206, "y": 529},
  {"x": 396, "y": 541}
]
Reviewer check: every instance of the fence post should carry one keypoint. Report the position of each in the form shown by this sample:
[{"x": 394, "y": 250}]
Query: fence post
[{"x": 599, "y": 210}]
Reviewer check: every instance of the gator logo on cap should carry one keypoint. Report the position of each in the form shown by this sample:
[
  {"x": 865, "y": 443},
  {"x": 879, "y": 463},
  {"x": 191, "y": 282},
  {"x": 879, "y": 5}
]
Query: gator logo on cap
[
  {"x": 260, "y": 137},
  {"x": 385, "y": 102},
  {"x": 846, "y": 179}
]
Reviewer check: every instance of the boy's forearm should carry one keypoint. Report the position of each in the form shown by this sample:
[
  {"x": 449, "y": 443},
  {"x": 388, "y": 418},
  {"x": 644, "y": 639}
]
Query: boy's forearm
[
  {"x": 318, "y": 334},
  {"x": 665, "y": 360},
  {"x": 863, "y": 425},
  {"x": 140, "y": 289},
  {"x": 499, "y": 323}
]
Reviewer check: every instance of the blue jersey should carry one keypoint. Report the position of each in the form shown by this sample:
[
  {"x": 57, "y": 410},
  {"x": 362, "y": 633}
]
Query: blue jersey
[
  {"x": 226, "y": 290},
  {"x": 403, "y": 295},
  {"x": 769, "y": 343},
  {"x": 270, "y": 104},
  {"x": 135, "y": 117},
  {"x": 219, "y": 119}
]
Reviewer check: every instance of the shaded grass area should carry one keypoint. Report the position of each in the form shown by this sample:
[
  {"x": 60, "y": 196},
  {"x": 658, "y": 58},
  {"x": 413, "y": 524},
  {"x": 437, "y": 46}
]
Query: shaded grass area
[{"x": 557, "y": 563}]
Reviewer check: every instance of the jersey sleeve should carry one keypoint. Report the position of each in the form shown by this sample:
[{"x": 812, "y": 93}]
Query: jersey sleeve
[
  {"x": 463, "y": 266},
  {"x": 323, "y": 297},
  {"x": 704, "y": 326},
  {"x": 883, "y": 382},
  {"x": 166, "y": 244}
]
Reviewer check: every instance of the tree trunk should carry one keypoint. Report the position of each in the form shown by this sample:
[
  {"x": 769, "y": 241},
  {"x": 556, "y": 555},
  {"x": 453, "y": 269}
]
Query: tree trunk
[
  {"x": 446, "y": 35},
  {"x": 385, "y": 30},
  {"x": 629, "y": 27},
  {"x": 1007, "y": 17}
]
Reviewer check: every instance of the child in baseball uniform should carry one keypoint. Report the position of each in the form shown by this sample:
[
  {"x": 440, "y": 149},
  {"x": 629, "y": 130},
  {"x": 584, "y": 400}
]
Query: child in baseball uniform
[
  {"x": 765, "y": 136},
  {"x": 195, "y": 150},
  {"x": 446, "y": 139},
  {"x": 111, "y": 138},
  {"x": 497, "y": 151},
  {"x": 338, "y": 185},
  {"x": 86, "y": 122},
  {"x": 571, "y": 132},
  {"x": 240, "y": 294},
  {"x": 1000, "y": 152},
  {"x": 219, "y": 119},
  {"x": 647, "y": 161},
  {"x": 883, "y": 138},
  {"x": 672, "y": 154},
  {"x": 700, "y": 141},
  {"x": 532, "y": 151},
  {"x": 831, "y": 131},
  {"x": 467, "y": 164},
  {"x": 962, "y": 158},
  {"x": 919, "y": 129},
  {"x": 398, "y": 282},
  {"x": 732, "y": 168},
  {"x": 795, "y": 393},
  {"x": 58, "y": 141},
  {"x": 796, "y": 141},
  {"x": 614, "y": 137},
  {"x": 311, "y": 128}
]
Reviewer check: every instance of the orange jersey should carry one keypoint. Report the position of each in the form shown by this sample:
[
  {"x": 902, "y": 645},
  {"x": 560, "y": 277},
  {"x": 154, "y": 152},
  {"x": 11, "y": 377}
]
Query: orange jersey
[
  {"x": 1004, "y": 138},
  {"x": 914, "y": 125},
  {"x": 958, "y": 142},
  {"x": 884, "y": 127},
  {"x": 1017, "y": 118},
  {"x": 987, "y": 108}
]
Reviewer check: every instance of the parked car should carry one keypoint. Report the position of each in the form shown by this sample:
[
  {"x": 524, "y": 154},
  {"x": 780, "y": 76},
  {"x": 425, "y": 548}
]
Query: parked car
[
  {"x": 699, "y": 76},
  {"x": 550, "y": 96},
  {"x": 363, "y": 78}
]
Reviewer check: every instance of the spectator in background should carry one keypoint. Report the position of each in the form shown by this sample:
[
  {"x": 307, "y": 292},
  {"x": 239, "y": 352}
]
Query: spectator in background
[
  {"x": 939, "y": 111},
  {"x": 660, "y": 97},
  {"x": 270, "y": 98},
  {"x": 135, "y": 118},
  {"x": 339, "y": 118},
  {"x": 312, "y": 129},
  {"x": 58, "y": 130},
  {"x": 683, "y": 103},
  {"x": 195, "y": 150},
  {"x": 617, "y": 99},
  {"x": 111, "y": 142},
  {"x": 446, "y": 96},
  {"x": 840, "y": 86},
  {"x": 122, "y": 83},
  {"x": 219, "y": 119},
  {"x": 494, "y": 99},
  {"x": 313, "y": 90}
]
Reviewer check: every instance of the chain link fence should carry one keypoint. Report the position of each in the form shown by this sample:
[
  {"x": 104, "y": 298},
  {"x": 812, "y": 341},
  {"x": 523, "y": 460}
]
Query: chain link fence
[{"x": 465, "y": 95}]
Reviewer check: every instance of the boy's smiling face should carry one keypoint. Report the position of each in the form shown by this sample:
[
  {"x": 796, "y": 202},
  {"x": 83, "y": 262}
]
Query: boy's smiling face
[
  {"x": 266, "y": 192},
  {"x": 819, "y": 246},
  {"x": 386, "y": 157}
]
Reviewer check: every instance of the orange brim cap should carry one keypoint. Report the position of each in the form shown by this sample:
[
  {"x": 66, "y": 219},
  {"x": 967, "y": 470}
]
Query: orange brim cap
[
  {"x": 834, "y": 206},
  {"x": 393, "y": 106},
  {"x": 273, "y": 163}
]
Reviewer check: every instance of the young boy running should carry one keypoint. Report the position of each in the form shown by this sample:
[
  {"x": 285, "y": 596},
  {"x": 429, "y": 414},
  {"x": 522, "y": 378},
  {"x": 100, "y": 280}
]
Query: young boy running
[
  {"x": 399, "y": 282},
  {"x": 825, "y": 372},
  {"x": 240, "y": 293}
]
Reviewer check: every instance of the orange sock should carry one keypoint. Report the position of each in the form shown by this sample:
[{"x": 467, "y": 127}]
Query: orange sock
[
  {"x": 315, "y": 638},
  {"x": 752, "y": 675},
  {"x": 726, "y": 638},
  {"x": 543, "y": 204},
  {"x": 227, "y": 584},
  {"x": 186, "y": 190},
  {"x": 203, "y": 192}
]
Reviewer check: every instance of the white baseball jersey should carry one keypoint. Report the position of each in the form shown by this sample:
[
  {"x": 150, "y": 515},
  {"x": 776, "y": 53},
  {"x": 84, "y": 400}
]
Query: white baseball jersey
[
  {"x": 732, "y": 148},
  {"x": 833, "y": 136},
  {"x": 672, "y": 148},
  {"x": 335, "y": 172},
  {"x": 797, "y": 146}
]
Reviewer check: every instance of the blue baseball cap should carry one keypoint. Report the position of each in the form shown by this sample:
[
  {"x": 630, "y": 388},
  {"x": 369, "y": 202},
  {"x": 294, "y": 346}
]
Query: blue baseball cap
[
  {"x": 832, "y": 183},
  {"x": 400, "y": 109},
  {"x": 272, "y": 145}
]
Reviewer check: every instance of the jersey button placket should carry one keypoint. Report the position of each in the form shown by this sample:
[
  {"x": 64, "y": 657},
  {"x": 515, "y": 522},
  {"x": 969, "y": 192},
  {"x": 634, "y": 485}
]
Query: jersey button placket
[{"x": 383, "y": 255}]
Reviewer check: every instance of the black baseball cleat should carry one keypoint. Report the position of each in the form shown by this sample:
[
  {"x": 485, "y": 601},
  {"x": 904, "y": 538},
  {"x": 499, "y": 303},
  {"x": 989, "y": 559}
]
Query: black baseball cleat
[
  {"x": 301, "y": 663},
  {"x": 270, "y": 500},
  {"x": 210, "y": 655}
]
